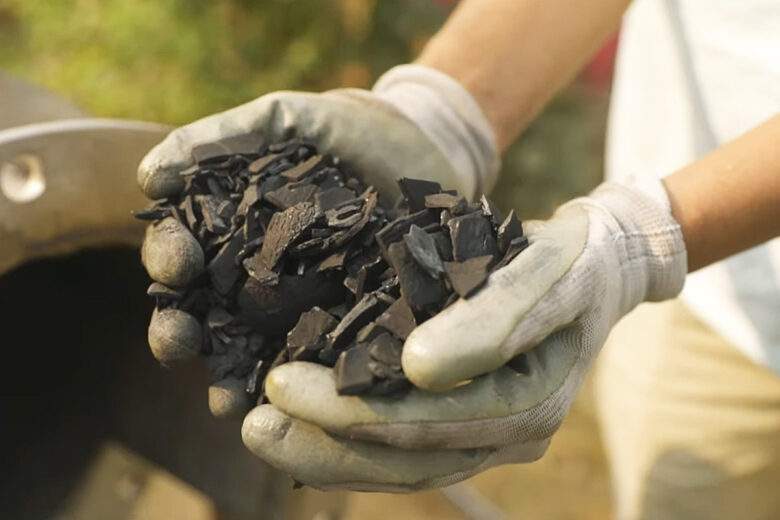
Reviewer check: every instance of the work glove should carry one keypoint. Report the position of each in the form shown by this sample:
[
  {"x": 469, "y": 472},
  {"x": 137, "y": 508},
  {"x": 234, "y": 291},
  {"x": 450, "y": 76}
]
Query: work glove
[
  {"x": 591, "y": 263},
  {"x": 417, "y": 123}
]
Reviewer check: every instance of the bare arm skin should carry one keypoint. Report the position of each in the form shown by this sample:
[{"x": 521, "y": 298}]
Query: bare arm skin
[
  {"x": 515, "y": 55},
  {"x": 729, "y": 200}
]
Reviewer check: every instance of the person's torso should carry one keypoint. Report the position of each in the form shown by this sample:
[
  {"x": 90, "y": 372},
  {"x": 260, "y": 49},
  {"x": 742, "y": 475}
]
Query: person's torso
[{"x": 691, "y": 75}]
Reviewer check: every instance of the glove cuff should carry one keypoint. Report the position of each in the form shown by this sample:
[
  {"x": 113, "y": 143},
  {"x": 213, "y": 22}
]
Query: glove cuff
[
  {"x": 650, "y": 241},
  {"x": 450, "y": 117}
]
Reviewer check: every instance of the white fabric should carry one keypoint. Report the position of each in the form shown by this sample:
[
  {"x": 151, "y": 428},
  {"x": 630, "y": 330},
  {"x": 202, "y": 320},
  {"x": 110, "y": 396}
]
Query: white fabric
[
  {"x": 692, "y": 74},
  {"x": 450, "y": 117},
  {"x": 594, "y": 261}
]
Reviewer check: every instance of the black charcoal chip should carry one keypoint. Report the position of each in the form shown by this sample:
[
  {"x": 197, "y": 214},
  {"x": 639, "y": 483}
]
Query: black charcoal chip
[
  {"x": 334, "y": 261},
  {"x": 189, "y": 212},
  {"x": 344, "y": 216},
  {"x": 275, "y": 309},
  {"x": 258, "y": 165},
  {"x": 332, "y": 198},
  {"x": 153, "y": 213},
  {"x": 369, "y": 332},
  {"x": 509, "y": 230},
  {"x": 468, "y": 276},
  {"x": 387, "y": 350},
  {"x": 271, "y": 184},
  {"x": 285, "y": 227},
  {"x": 223, "y": 271},
  {"x": 310, "y": 329},
  {"x": 516, "y": 246},
  {"x": 356, "y": 282},
  {"x": 424, "y": 250},
  {"x": 252, "y": 196},
  {"x": 491, "y": 211},
  {"x": 452, "y": 203},
  {"x": 255, "y": 380},
  {"x": 417, "y": 287},
  {"x": 415, "y": 191},
  {"x": 218, "y": 318},
  {"x": 395, "y": 230},
  {"x": 160, "y": 291},
  {"x": 365, "y": 311},
  {"x": 287, "y": 196},
  {"x": 353, "y": 376},
  {"x": 398, "y": 319},
  {"x": 472, "y": 236},
  {"x": 255, "y": 268},
  {"x": 303, "y": 169},
  {"x": 209, "y": 208}
]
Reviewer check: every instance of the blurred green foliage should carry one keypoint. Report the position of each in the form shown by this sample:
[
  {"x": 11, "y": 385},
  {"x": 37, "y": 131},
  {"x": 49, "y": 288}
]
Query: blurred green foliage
[{"x": 178, "y": 60}]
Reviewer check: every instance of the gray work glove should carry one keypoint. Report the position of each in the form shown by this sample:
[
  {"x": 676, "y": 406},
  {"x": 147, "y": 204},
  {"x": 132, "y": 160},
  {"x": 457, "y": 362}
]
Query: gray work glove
[
  {"x": 592, "y": 262},
  {"x": 417, "y": 123}
]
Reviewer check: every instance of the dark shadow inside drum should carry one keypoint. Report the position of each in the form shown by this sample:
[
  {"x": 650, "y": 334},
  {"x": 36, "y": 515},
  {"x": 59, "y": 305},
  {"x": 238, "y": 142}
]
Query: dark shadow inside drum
[{"x": 76, "y": 372}]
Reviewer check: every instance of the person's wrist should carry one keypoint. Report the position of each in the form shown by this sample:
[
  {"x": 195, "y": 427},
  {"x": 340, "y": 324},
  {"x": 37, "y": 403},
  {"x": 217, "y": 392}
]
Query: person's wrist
[{"x": 450, "y": 117}]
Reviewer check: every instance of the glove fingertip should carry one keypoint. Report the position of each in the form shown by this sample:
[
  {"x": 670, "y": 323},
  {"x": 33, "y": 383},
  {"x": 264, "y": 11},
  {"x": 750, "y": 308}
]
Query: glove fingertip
[
  {"x": 174, "y": 337},
  {"x": 170, "y": 253},
  {"x": 422, "y": 365},
  {"x": 264, "y": 427},
  {"x": 228, "y": 398},
  {"x": 159, "y": 179}
]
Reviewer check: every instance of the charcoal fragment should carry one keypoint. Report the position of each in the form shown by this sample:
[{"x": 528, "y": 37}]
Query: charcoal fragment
[
  {"x": 353, "y": 376},
  {"x": 387, "y": 350},
  {"x": 415, "y": 191},
  {"x": 285, "y": 227},
  {"x": 417, "y": 287},
  {"x": 369, "y": 332},
  {"x": 334, "y": 261},
  {"x": 332, "y": 198},
  {"x": 366, "y": 310},
  {"x": 303, "y": 169},
  {"x": 310, "y": 329},
  {"x": 398, "y": 319},
  {"x": 469, "y": 275},
  {"x": 223, "y": 271},
  {"x": 491, "y": 211},
  {"x": 286, "y": 197},
  {"x": 472, "y": 236},
  {"x": 509, "y": 230},
  {"x": 153, "y": 213},
  {"x": 258, "y": 165},
  {"x": 452, "y": 203},
  {"x": 395, "y": 230},
  {"x": 424, "y": 250},
  {"x": 516, "y": 246},
  {"x": 163, "y": 292}
]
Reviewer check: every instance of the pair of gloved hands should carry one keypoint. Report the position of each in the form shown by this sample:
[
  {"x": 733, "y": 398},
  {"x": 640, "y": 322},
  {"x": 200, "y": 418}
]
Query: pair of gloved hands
[{"x": 592, "y": 262}]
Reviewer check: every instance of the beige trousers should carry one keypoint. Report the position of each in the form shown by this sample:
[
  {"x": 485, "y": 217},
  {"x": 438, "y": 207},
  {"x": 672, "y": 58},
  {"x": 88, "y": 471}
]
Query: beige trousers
[{"x": 691, "y": 426}]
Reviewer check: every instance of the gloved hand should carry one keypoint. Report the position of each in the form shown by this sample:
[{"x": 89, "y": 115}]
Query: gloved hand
[
  {"x": 416, "y": 123},
  {"x": 592, "y": 262}
]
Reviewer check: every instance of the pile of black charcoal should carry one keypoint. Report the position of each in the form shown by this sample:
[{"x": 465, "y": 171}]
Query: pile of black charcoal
[{"x": 304, "y": 263}]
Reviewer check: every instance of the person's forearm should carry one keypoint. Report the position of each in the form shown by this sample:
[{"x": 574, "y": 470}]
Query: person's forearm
[
  {"x": 514, "y": 55},
  {"x": 729, "y": 201}
]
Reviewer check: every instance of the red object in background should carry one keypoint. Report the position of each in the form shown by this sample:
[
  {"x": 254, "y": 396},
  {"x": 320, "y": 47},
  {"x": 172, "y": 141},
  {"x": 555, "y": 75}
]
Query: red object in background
[{"x": 598, "y": 73}]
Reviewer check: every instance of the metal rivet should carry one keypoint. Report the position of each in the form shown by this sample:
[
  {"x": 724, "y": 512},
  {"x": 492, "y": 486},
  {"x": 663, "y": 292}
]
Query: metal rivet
[{"x": 22, "y": 179}]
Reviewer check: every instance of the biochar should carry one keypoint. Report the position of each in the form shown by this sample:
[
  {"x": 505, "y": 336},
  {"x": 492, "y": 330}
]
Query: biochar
[{"x": 296, "y": 260}]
